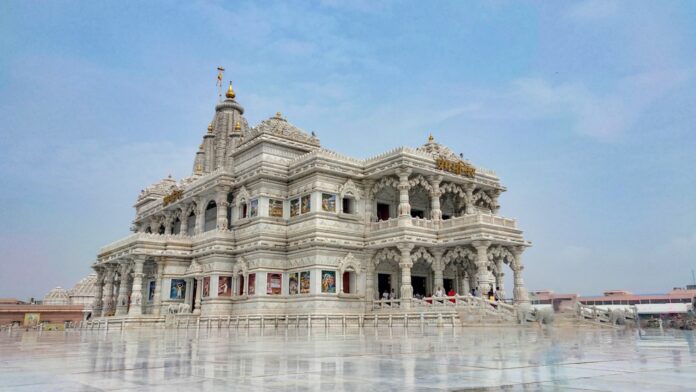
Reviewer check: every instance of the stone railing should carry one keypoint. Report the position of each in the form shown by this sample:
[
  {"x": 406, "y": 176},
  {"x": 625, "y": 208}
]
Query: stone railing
[
  {"x": 462, "y": 301},
  {"x": 381, "y": 225},
  {"x": 466, "y": 220},
  {"x": 459, "y": 221},
  {"x": 142, "y": 237},
  {"x": 605, "y": 316},
  {"x": 447, "y": 302},
  {"x": 421, "y": 222}
]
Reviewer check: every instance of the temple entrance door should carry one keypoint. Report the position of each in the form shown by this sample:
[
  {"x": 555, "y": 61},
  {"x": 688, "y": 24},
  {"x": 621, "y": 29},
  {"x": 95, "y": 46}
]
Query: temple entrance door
[
  {"x": 194, "y": 292},
  {"x": 418, "y": 283},
  {"x": 449, "y": 284},
  {"x": 383, "y": 284}
]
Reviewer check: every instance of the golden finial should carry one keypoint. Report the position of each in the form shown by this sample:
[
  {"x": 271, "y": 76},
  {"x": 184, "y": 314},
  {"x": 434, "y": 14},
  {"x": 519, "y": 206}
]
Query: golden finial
[
  {"x": 431, "y": 138},
  {"x": 200, "y": 147},
  {"x": 210, "y": 128},
  {"x": 199, "y": 168},
  {"x": 237, "y": 126},
  {"x": 279, "y": 114},
  {"x": 230, "y": 93}
]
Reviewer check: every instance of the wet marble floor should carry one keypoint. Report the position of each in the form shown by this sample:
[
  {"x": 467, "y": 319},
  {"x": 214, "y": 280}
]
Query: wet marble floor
[{"x": 484, "y": 359}]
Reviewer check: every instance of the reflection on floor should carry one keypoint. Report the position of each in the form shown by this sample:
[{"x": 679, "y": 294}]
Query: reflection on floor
[{"x": 512, "y": 359}]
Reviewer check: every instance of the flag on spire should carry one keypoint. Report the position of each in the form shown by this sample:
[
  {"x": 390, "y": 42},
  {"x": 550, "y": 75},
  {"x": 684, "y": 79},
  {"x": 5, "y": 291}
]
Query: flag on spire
[{"x": 219, "y": 77}]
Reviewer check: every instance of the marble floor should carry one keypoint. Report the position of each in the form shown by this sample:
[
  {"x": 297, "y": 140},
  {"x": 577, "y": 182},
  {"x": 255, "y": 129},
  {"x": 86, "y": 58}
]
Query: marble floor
[{"x": 481, "y": 359}]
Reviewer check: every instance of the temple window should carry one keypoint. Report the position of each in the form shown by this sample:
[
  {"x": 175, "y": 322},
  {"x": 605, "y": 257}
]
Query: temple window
[
  {"x": 210, "y": 216},
  {"x": 160, "y": 230},
  {"x": 190, "y": 229},
  {"x": 348, "y": 205},
  {"x": 176, "y": 226},
  {"x": 417, "y": 213},
  {"x": 243, "y": 210},
  {"x": 230, "y": 199},
  {"x": 383, "y": 211},
  {"x": 348, "y": 281}
]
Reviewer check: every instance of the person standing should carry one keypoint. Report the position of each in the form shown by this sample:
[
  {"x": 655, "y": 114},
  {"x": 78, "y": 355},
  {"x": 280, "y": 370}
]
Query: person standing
[{"x": 451, "y": 293}]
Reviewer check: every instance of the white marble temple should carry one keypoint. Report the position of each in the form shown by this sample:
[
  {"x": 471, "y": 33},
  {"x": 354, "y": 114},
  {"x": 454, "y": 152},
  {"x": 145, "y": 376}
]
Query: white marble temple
[{"x": 527, "y": 359}]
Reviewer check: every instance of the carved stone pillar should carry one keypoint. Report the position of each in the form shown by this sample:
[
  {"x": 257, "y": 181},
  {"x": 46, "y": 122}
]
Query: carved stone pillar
[
  {"x": 469, "y": 199},
  {"x": 520, "y": 294},
  {"x": 369, "y": 276},
  {"x": 464, "y": 287},
  {"x": 500, "y": 279},
  {"x": 484, "y": 278},
  {"x": 438, "y": 269},
  {"x": 406, "y": 263},
  {"x": 222, "y": 204},
  {"x": 168, "y": 222},
  {"x": 136, "y": 308},
  {"x": 404, "y": 187},
  {"x": 200, "y": 217},
  {"x": 99, "y": 293},
  {"x": 185, "y": 212},
  {"x": 108, "y": 291},
  {"x": 122, "y": 299},
  {"x": 495, "y": 207},
  {"x": 435, "y": 211},
  {"x": 199, "y": 289},
  {"x": 159, "y": 284},
  {"x": 370, "y": 204}
]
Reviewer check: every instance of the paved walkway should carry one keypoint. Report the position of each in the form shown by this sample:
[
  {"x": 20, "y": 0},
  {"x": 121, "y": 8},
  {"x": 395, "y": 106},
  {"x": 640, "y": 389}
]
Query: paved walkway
[{"x": 513, "y": 359}]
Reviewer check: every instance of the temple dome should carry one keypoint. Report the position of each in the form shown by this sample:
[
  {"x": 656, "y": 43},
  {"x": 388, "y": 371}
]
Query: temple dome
[
  {"x": 57, "y": 296},
  {"x": 437, "y": 150},
  {"x": 84, "y": 291},
  {"x": 278, "y": 125}
]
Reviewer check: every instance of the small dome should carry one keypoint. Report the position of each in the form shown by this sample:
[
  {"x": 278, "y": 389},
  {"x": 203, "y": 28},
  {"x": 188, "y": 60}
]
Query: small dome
[
  {"x": 57, "y": 296},
  {"x": 437, "y": 150},
  {"x": 87, "y": 286},
  {"x": 278, "y": 125},
  {"x": 84, "y": 291}
]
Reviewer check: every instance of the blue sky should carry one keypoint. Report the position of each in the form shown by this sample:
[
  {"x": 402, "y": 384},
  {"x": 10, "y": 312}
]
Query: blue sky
[{"x": 584, "y": 109}]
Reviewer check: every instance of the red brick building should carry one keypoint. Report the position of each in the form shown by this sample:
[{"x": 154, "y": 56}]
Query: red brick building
[{"x": 13, "y": 311}]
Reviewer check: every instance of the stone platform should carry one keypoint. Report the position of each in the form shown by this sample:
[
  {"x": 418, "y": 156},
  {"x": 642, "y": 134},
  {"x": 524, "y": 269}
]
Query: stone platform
[{"x": 351, "y": 359}]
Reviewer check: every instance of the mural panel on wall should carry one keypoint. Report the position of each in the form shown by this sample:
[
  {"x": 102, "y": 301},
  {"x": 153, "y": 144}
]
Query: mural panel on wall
[
  {"x": 328, "y": 281},
  {"x": 206, "y": 286},
  {"x": 328, "y": 202},
  {"x": 306, "y": 204},
  {"x": 273, "y": 283},
  {"x": 304, "y": 282},
  {"x": 224, "y": 286},
  {"x": 275, "y": 208},
  {"x": 178, "y": 289},
  {"x": 252, "y": 284},
  {"x": 293, "y": 283}
]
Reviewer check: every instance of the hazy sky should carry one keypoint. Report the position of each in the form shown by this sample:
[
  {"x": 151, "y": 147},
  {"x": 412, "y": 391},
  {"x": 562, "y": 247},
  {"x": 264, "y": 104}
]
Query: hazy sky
[{"x": 586, "y": 110}]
